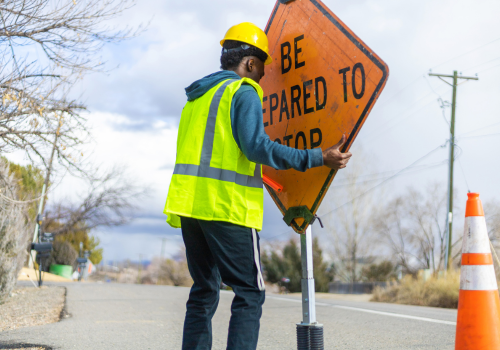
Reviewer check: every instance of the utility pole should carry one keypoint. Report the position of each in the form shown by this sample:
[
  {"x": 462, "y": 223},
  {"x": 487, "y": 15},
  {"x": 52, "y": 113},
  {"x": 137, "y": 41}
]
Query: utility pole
[{"x": 449, "y": 217}]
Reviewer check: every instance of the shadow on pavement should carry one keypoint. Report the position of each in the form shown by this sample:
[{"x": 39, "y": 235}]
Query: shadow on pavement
[{"x": 12, "y": 345}]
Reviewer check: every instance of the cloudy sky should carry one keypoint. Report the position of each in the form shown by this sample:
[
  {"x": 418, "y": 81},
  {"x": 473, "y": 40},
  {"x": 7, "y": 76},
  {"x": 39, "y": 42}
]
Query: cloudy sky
[{"x": 135, "y": 108}]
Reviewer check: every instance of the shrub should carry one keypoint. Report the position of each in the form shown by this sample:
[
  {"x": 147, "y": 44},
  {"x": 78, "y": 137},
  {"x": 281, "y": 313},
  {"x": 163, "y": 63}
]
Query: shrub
[
  {"x": 174, "y": 273},
  {"x": 285, "y": 265},
  {"x": 382, "y": 272},
  {"x": 437, "y": 292},
  {"x": 62, "y": 254},
  {"x": 77, "y": 236},
  {"x": 14, "y": 231},
  {"x": 288, "y": 265}
]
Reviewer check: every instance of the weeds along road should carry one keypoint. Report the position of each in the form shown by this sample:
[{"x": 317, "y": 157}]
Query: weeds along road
[{"x": 124, "y": 316}]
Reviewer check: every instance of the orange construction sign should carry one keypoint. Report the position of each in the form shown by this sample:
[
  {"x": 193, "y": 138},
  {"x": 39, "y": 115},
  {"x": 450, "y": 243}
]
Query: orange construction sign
[{"x": 323, "y": 82}]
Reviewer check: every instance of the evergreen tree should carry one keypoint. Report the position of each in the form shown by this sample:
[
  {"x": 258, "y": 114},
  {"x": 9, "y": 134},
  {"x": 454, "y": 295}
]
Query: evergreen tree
[{"x": 288, "y": 264}]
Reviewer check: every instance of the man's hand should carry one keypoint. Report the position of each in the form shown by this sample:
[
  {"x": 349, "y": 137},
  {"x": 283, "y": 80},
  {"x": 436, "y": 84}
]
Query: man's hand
[{"x": 333, "y": 158}]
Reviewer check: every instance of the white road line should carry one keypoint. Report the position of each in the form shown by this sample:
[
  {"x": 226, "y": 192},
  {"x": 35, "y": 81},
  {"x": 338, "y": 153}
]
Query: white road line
[{"x": 425, "y": 319}]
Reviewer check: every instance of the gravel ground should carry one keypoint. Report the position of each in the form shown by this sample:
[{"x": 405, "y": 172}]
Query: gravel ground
[{"x": 30, "y": 306}]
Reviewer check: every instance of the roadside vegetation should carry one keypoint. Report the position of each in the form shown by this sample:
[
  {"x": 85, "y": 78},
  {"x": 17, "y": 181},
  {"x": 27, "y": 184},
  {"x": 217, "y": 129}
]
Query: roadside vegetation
[
  {"x": 282, "y": 265},
  {"x": 435, "y": 291},
  {"x": 14, "y": 231},
  {"x": 159, "y": 271},
  {"x": 41, "y": 122}
]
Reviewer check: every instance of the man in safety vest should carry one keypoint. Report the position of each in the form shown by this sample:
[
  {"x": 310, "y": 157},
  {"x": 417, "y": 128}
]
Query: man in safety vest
[{"x": 216, "y": 194}]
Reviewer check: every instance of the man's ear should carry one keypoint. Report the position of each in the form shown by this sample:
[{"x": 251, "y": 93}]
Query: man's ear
[{"x": 250, "y": 64}]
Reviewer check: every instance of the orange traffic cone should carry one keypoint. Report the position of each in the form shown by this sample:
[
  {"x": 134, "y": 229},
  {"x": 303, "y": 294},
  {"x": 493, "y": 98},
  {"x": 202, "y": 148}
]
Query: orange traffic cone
[{"x": 478, "y": 321}]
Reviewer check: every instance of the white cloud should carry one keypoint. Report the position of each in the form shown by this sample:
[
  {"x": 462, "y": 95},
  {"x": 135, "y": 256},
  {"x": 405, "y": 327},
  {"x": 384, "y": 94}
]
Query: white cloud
[
  {"x": 135, "y": 108},
  {"x": 118, "y": 247}
]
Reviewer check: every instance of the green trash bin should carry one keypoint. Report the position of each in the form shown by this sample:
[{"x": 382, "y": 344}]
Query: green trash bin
[{"x": 61, "y": 270}]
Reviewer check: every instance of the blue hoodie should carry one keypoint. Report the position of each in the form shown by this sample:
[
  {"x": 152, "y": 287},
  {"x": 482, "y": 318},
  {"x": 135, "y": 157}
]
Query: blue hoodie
[{"x": 248, "y": 128}]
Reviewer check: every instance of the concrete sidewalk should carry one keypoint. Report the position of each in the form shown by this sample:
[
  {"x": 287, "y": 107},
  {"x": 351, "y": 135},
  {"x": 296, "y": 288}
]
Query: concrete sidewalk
[{"x": 125, "y": 316}]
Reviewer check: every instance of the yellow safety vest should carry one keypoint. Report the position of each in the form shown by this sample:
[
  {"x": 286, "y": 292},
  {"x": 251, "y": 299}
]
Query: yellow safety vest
[{"x": 213, "y": 180}]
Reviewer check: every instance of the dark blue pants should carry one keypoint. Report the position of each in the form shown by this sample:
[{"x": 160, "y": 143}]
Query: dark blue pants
[{"x": 218, "y": 250}]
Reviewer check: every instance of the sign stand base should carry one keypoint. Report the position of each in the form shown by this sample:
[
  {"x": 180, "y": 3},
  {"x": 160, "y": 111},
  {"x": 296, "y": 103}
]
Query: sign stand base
[{"x": 309, "y": 331}]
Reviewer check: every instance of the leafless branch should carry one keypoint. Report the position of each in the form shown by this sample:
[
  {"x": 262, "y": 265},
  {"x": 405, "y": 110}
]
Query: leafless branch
[
  {"x": 110, "y": 201},
  {"x": 35, "y": 105}
]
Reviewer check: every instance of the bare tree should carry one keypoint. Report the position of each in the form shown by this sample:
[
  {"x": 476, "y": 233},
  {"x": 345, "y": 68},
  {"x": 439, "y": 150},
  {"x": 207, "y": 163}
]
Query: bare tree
[
  {"x": 349, "y": 220},
  {"x": 492, "y": 213},
  {"x": 45, "y": 47},
  {"x": 36, "y": 114},
  {"x": 392, "y": 229},
  {"x": 413, "y": 225},
  {"x": 109, "y": 201},
  {"x": 14, "y": 232}
]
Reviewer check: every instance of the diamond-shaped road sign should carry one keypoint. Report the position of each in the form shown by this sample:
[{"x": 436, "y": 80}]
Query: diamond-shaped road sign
[{"x": 323, "y": 82}]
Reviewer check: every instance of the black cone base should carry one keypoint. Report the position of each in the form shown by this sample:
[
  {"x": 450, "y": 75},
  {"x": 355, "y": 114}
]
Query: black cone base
[
  {"x": 310, "y": 337},
  {"x": 303, "y": 338},
  {"x": 316, "y": 335}
]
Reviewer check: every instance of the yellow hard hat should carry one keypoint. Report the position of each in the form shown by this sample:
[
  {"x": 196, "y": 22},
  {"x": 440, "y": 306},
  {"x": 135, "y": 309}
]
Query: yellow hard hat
[{"x": 249, "y": 33}]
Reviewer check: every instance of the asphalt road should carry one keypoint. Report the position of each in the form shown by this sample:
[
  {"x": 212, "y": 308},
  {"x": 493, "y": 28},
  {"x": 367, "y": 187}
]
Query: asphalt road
[{"x": 124, "y": 316}]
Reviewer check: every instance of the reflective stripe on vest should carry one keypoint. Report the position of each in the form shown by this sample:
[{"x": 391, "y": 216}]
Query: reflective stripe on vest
[{"x": 204, "y": 169}]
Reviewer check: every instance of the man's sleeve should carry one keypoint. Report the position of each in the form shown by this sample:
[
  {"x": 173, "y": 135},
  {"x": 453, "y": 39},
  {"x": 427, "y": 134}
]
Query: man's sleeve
[{"x": 249, "y": 134}]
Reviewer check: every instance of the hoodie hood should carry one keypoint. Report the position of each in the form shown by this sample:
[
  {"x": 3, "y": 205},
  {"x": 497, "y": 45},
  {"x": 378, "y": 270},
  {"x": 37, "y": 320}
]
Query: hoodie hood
[{"x": 200, "y": 87}]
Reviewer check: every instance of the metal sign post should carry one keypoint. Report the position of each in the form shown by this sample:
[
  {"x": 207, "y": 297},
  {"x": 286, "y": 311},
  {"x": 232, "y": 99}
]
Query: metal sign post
[
  {"x": 322, "y": 84},
  {"x": 309, "y": 331}
]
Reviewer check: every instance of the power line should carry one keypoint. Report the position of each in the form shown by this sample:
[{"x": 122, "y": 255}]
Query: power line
[
  {"x": 432, "y": 89},
  {"x": 482, "y": 64},
  {"x": 466, "y": 53},
  {"x": 465, "y": 177},
  {"x": 482, "y": 128},
  {"x": 407, "y": 171},
  {"x": 461, "y": 168},
  {"x": 398, "y": 121},
  {"x": 416, "y": 103},
  {"x": 399, "y": 173},
  {"x": 383, "y": 128},
  {"x": 384, "y": 103},
  {"x": 374, "y": 134},
  {"x": 484, "y": 70},
  {"x": 473, "y": 137},
  {"x": 384, "y": 181}
]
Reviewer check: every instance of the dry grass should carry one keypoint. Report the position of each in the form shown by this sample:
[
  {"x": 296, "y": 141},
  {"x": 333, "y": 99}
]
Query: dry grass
[
  {"x": 437, "y": 292},
  {"x": 32, "y": 307},
  {"x": 27, "y": 274}
]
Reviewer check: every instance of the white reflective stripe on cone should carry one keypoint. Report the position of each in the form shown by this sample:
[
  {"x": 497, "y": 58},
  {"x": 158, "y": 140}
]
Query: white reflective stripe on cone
[
  {"x": 476, "y": 236},
  {"x": 478, "y": 277},
  {"x": 260, "y": 279}
]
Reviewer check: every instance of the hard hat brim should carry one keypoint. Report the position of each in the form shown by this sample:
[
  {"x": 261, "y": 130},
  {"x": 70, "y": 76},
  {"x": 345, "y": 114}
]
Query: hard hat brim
[{"x": 269, "y": 59}]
